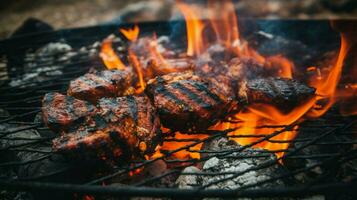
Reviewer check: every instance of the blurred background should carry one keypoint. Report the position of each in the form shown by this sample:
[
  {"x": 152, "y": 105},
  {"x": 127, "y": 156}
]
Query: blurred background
[{"x": 68, "y": 13}]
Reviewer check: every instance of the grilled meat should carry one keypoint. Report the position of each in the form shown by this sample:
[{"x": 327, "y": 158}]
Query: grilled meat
[
  {"x": 247, "y": 69},
  {"x": 62, "y": 113},
  {"x": 281, "y": 92},
  {"x": 185, "y": 102},
  {"x": 159, "y": 67},
  {"x": 107, "y": 83},
  {"x": 124, "y": 127}
]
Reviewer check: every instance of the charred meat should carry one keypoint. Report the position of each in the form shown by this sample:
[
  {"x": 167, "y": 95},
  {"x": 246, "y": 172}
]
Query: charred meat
[
  {"x": 124, "y": 127},
  {"x": 62, "y": 113},
  {"x": 185, "y": 102},
  {"x": 107, "y": 83},
  {"x": 281, "y": 92}
]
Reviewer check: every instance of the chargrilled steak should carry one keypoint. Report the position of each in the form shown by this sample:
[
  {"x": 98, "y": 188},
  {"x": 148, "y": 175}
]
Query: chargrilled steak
[
  {"x": 107, "y": 83},
  {"x": 62, "y": 113},
  {"x": 123, "y": 127},
  {"x": 187, "y": 103},
  {"x": 281, "y": 92}
]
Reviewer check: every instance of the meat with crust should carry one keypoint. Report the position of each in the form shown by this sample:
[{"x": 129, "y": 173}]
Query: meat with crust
[
  {"x": 124, "y": 127},
  {"x": 62, "y": 113},
  {"x": 283, "y": 93},
  {"x": 186, "y": 102},
  {"x": 107, "y": 83}
]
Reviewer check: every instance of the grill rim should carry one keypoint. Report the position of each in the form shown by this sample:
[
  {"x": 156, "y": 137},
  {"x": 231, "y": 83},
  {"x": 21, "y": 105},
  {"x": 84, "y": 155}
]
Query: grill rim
[{"x": 131, "y": 191}]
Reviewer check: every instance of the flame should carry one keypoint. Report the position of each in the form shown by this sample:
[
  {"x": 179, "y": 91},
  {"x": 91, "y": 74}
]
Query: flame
[
  {"x": 136, "y": 64},
  {"x": 194, "y": 28},
  {"x": 131, "y": 34},
  {"x": 326, "y": 85},
  {"x": 256, "y": 121},
  {"x": 285, "y": 65},
  {"x": 181, "y": 140},
  {"x": 109, "y": 57},
  {"x": 263, "y": 120},
  {"x": 224, "y": 23}
]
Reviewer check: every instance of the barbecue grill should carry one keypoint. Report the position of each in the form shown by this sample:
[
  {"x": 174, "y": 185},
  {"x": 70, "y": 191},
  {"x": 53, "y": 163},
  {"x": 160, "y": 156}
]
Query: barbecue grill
[{"x": 324, "y": 152}]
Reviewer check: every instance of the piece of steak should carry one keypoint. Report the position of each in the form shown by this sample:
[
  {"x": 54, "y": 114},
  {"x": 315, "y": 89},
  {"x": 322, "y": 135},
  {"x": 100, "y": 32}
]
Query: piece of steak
[
  {"x": 124, "y": 127},
  {"x": 63, "y": 113},
  {"x": 107, "y": 83},
  {"x": 185, "y": 102},
  {"x": 283, "y": 93}
]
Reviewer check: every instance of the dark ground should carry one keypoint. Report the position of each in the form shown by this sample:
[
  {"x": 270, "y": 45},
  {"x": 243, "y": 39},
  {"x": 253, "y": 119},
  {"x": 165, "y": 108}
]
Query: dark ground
[{"x": 68, "y": 13}]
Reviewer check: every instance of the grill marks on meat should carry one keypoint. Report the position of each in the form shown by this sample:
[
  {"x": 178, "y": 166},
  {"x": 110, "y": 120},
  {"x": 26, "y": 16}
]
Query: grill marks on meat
[
  {"x": 187, "y": 103},
  {"x": 282, "y": 92},
  {"x": 107, "y": 83},
  {"x": 123, "y": 127},
  {"x": 63, "y": 113}
]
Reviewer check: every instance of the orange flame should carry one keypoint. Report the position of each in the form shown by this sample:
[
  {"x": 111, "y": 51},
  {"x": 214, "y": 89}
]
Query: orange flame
[
  {"x": 263, "y": 120},
  {"x": 181, "y": 140},
  {"x": 136, "y": 64},
  {"x": 326, "y": 85},
  {"x": 255, "y": 121},
  {"x": 109, "y": 57},
  {"x": 131, "y": 34},
  {"x": 224, "y": 23},
  {"x": 194, "y": 29},
  {"x": 285, "y": 66}
]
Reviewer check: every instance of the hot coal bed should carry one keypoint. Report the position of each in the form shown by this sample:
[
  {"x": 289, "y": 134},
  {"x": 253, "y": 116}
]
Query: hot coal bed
[{"x": 318, "y": 163}]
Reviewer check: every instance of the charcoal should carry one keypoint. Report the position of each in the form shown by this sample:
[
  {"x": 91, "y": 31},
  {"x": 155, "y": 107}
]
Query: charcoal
[
  {"x": 232, "y": 163},
  {"x": 188, "y": 181}
]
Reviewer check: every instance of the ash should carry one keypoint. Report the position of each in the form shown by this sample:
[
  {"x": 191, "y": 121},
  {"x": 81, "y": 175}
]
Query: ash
[
  {"x": 231, "y": 164},
  {"x": 49, "y": 62}
]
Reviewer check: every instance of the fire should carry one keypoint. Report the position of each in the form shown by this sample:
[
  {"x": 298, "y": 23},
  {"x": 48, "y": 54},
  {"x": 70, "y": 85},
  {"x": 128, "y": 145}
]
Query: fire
[
  {"x": 136, "y": 64},
  {"x": 224, "y": 23},
  {"x": 286, "y": 66},
  {"x": 131, "y": 34},
  {"x": 194, "y": 28},
  {"x": 181, "y": 140},
  {"x": 326, "y": 85},
  {"x": 256, "y": 121},
  {"x": 109, "y": 57}
]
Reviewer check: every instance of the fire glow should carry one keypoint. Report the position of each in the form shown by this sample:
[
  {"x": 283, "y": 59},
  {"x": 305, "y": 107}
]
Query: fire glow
[{"x": 253, "y": 122}]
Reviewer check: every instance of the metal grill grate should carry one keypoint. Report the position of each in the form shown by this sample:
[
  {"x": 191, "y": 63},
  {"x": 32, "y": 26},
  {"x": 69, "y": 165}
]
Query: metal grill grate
[{"x": 22, "y": 103}]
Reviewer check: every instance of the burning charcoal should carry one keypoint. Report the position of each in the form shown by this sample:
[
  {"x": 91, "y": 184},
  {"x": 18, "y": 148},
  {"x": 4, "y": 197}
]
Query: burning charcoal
[
  {"x": 123, "y": 127},
  {"x": 186, "y": 103},
  {"x": 108, "y": 83},
  {"x": 235, "y": 164},
  {"x": 281, "y": 92},
  {"x": 62, "y": 113}
]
